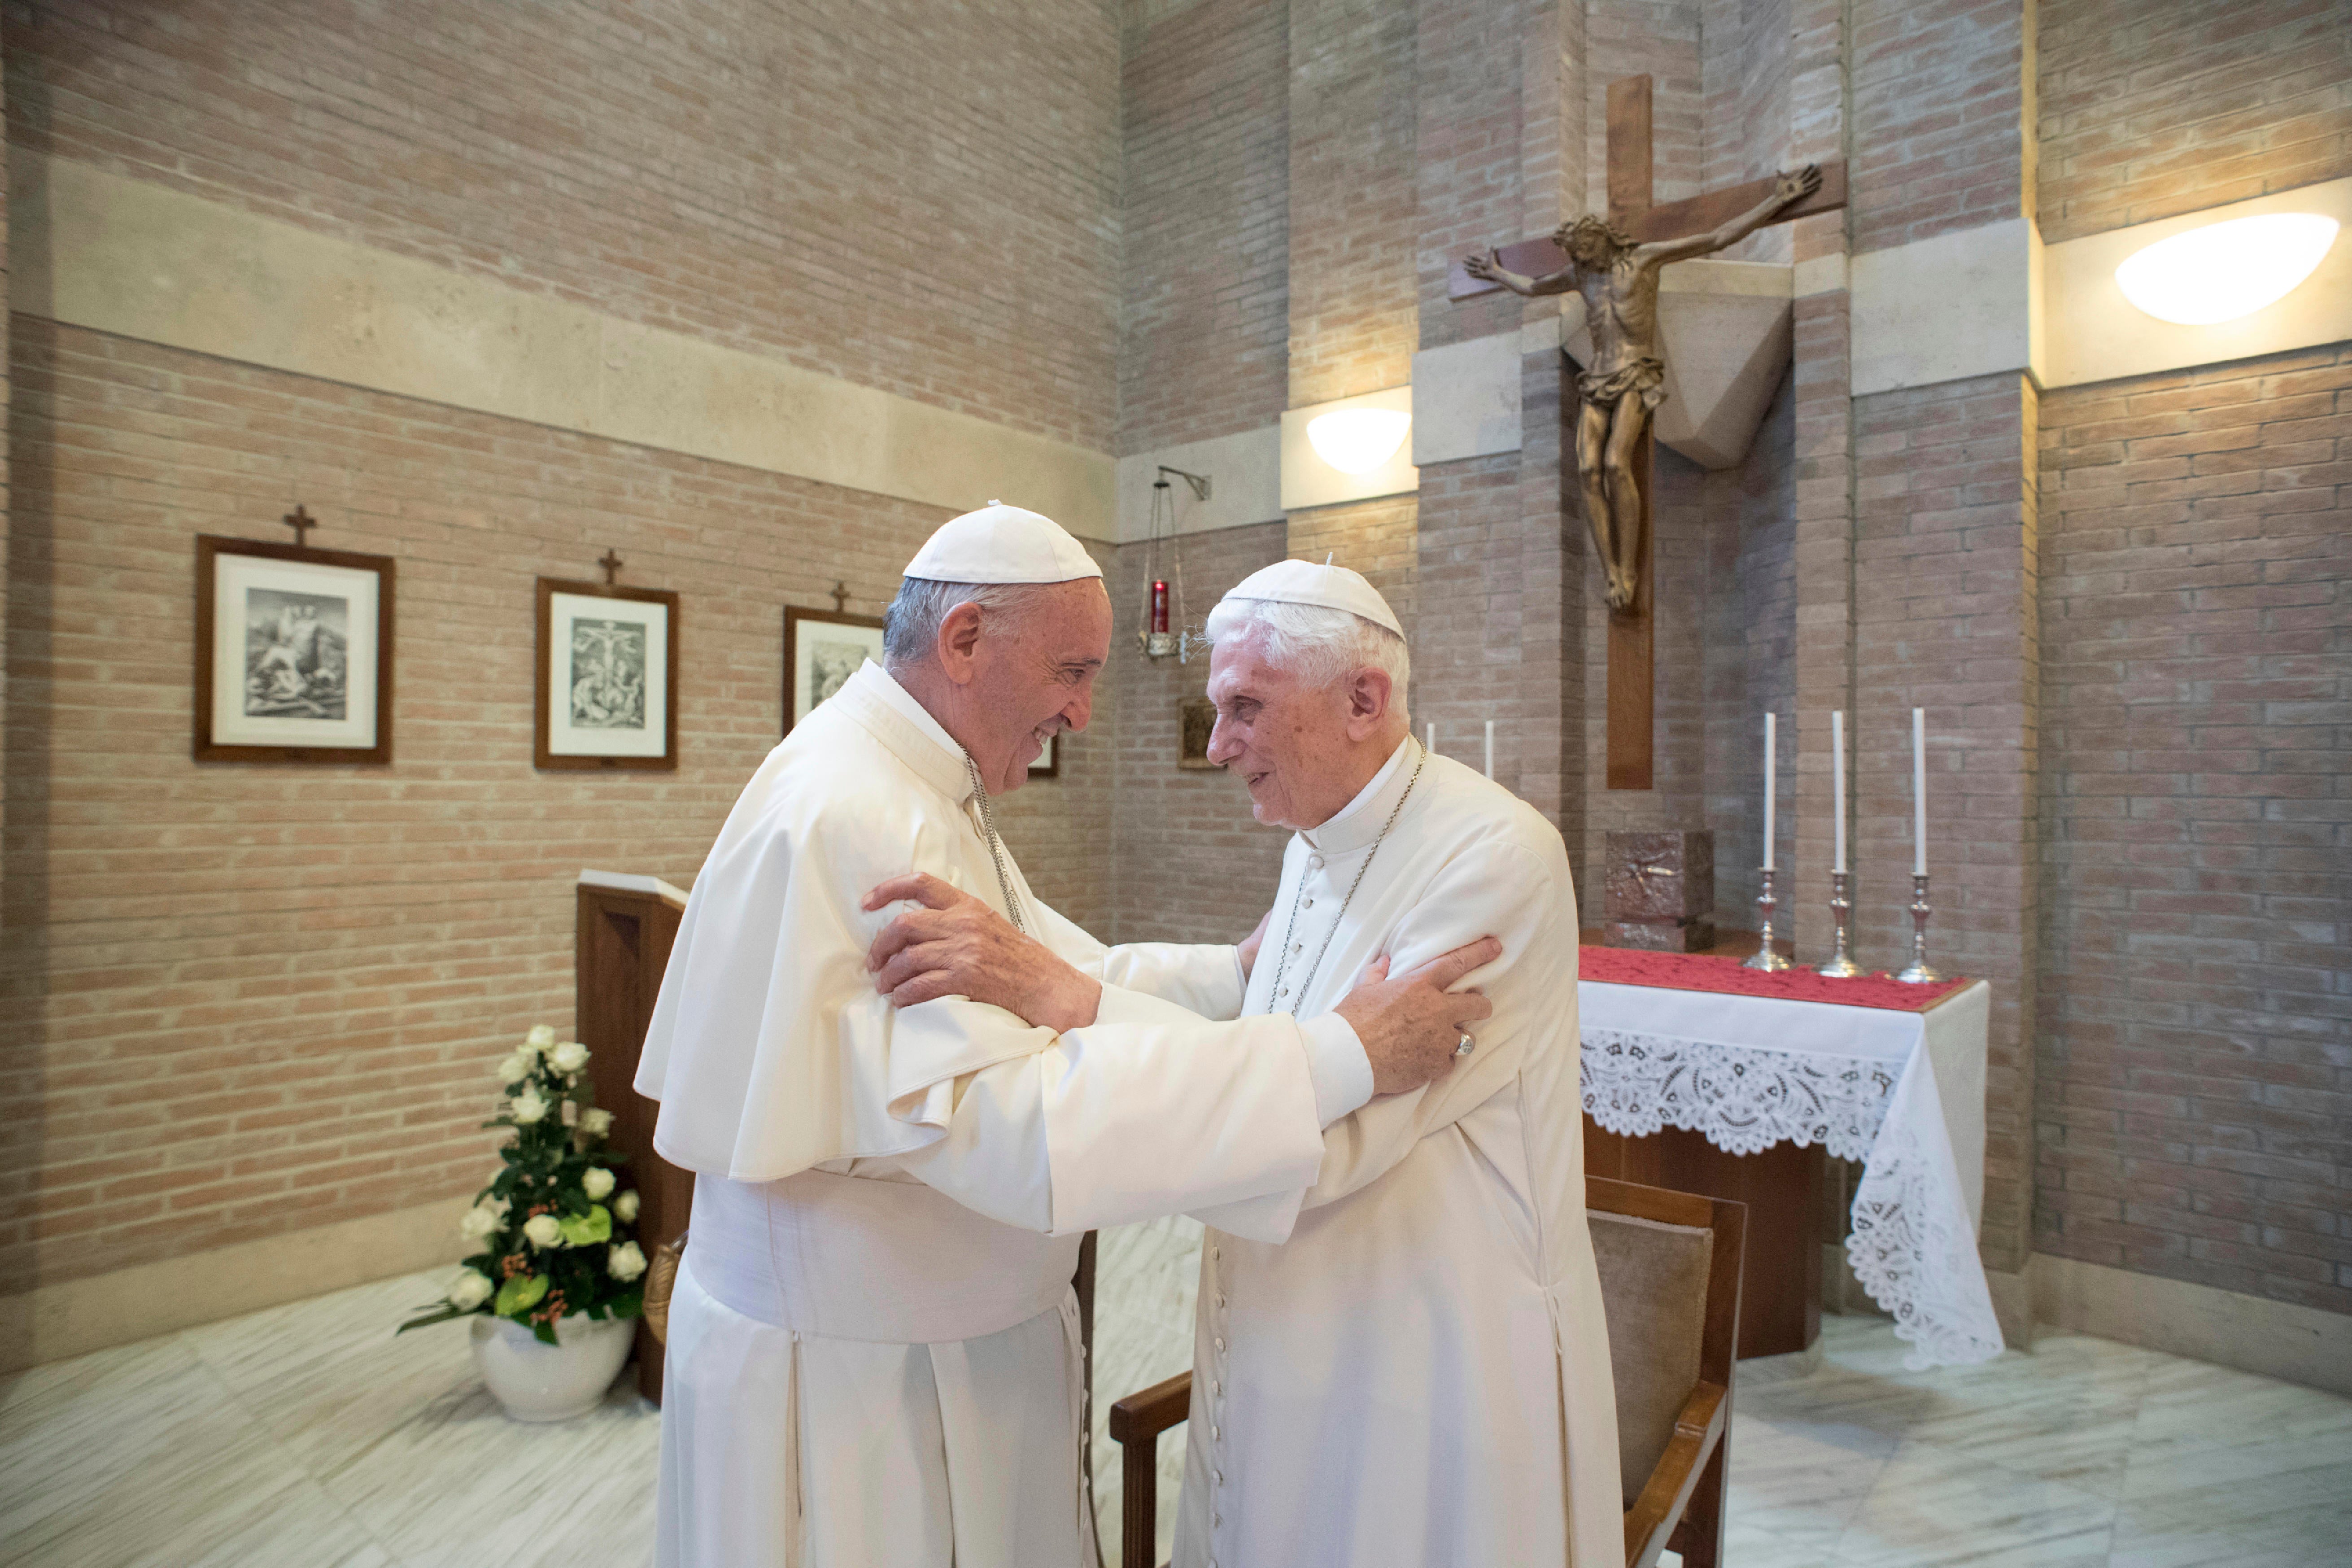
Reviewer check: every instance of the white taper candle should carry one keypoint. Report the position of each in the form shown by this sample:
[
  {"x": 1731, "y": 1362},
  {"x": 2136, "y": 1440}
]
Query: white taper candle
[
  {"x": 1771, "y": 764},
  {"x": 1490, "y": 747},
  {"x": 1837, "y": 784},
  {"x": 1918, "y": 792}
]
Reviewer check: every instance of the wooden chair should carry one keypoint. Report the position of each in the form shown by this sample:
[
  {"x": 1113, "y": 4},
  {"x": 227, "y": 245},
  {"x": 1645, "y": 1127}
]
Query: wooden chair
[{"x": 1669, "y": 1267}]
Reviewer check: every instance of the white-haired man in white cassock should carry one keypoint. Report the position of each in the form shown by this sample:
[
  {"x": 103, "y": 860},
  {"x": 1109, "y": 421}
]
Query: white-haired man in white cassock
[
  {"x": 1402, "y": 1361},
  {"x": 873, "y": 1349}
]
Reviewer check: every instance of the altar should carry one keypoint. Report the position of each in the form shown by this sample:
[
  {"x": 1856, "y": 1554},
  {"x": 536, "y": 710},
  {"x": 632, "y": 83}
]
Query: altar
[{"x": 1871, "y": 1070}]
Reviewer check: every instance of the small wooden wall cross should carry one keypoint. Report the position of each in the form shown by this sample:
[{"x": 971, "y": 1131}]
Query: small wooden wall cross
[
  {"x": 301, "y": 522},
  {"x": 612, "y": 563},
  {"x": 840, "y": 597}
]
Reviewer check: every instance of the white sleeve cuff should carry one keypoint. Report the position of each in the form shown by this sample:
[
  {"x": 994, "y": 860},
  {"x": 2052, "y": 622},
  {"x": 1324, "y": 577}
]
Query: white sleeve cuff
[{"x": 1337, "y": 1066}]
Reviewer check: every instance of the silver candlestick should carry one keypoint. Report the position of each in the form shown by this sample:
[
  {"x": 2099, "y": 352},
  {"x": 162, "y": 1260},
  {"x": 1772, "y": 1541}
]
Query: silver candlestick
[
  {"x": 1766, "y": 955},
  {"x": 1917, "y": 972},
  {"x": 1840, "y": 965}
]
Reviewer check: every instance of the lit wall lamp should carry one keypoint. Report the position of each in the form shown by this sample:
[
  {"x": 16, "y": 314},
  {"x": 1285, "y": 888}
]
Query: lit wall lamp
[
  {"x": 2226, "y": 270},
  {"x": 1351, "y": 449},
  {"x": 1357, "y": 440}
]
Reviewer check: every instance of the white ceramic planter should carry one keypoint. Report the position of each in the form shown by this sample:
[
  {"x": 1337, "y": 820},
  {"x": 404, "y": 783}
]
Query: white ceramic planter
[{"x": 539, "y": 1382}]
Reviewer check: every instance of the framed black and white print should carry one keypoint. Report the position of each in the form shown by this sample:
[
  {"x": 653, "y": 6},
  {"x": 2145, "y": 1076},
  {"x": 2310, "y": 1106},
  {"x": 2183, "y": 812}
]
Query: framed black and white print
[
  {"x": 293, "y": 654},
  {"x": 1048, "y": 764},
  {"x": 607, "y": 687},
  {"x": 823, "y": 648}
]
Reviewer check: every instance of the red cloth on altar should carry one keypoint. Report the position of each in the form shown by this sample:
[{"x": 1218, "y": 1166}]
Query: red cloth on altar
[{"x": 1699, "y": 972}]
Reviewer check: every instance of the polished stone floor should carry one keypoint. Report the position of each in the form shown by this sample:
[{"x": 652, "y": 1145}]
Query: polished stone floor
[{"x": 307, "y": 1435}]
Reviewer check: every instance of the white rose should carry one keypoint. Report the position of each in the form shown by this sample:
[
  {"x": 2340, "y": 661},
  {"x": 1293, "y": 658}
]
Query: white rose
[
  {"x": 624, "y": 1208},
  {"x": 480, "y": 1223},
  {"x": 597, "y": 1182},
  {"x": 528, "y": 1107},
  {"x": 542, "y": 1230},
  {"x": 470, "y": 1289},
  {"x": 569, "y": 1056},
  {"x": 596, "y": 1123},
  {"x": 514, "y": 1068},
  {"x": 625, "y": 1262},
  {"x": 496, "y": 1206},
  {"x": 541, "y": 1035}
]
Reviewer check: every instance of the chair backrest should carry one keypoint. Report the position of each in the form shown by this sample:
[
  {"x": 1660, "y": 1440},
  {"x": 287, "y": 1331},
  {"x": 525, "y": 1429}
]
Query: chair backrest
[{"x": 1663, "y": 1259}]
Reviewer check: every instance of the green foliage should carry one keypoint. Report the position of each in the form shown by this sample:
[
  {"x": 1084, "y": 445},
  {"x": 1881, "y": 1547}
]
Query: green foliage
[{"x": 544, "y": 1169}]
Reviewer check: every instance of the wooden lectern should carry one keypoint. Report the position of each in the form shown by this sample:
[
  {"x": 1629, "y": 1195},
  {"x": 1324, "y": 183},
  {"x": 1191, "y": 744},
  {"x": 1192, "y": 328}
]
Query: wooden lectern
[{"x": 626, "y": 926}]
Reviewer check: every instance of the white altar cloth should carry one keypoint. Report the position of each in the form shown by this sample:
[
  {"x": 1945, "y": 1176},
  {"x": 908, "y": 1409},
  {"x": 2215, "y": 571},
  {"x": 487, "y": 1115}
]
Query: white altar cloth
[{"x": 1903, "y": 1092}]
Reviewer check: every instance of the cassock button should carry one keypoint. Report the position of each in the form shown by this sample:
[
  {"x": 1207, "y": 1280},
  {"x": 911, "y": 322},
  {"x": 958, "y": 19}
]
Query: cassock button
[
  {"x": 1221, "y": 1342},
  {"x": 1221, "y": 1478},
  {"x": 1216, "y": 1433}
]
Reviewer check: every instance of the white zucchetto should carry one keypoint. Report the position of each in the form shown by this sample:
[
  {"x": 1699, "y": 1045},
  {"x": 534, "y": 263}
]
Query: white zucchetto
[
  {"x": 1326, "y": 587},
  {"x": 1002, "y": 543}
]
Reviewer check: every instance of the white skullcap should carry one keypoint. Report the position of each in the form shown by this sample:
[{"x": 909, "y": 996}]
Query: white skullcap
[
  {"x": 1002, "y": 543},
  {"x": 1326, "y": 587}
]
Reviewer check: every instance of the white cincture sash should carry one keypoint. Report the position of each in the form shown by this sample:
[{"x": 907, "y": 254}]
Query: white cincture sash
[{"x": 848, "y": 1258}]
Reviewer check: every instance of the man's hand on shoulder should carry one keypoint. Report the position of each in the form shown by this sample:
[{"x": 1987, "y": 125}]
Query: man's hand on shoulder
[
  {"x": 955, "y": 945},
  {"x": 1412, "y": 1026}
]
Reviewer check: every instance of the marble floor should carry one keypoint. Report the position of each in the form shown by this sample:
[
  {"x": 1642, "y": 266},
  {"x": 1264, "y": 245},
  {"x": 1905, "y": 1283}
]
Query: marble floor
[{"x": 307, "y": 1435}]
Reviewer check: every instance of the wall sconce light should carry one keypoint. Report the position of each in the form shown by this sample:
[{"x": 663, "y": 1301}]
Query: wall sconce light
[
  {"x": 1357, "y": 440},
  {"x": 1349, "y": 449},
  {"x": 2226, "y": 270}
]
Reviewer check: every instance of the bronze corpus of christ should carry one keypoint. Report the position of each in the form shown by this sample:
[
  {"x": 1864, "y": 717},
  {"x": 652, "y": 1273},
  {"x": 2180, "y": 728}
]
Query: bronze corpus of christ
[{"x": 1618, "y": 279}]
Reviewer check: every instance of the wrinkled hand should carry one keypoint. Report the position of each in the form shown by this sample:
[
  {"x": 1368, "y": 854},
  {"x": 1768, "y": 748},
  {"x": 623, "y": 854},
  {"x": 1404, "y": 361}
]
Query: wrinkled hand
[
  {"x": 1251, "y": 943},
  {"x": 1410, "y": 1025},
  {"x": 1796, "y": 186},
  {"x": 955, "y": 945}
]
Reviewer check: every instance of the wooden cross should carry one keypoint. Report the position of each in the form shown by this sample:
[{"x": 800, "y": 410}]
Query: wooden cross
[
  {"x": 840, "y": 599},
  {"x": 301, "y": 522},
  {"x": 1633, "y": 687},
  {"x": 612, "y": 563}
]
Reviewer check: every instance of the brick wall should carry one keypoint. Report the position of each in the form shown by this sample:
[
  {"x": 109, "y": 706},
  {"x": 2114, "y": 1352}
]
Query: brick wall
[
  {"x": 1354, "y": 321},
  {"x": 2197, "y": 698},
  {"x": 1193, "y": 865},
  {"x": 2153, "y": 107},
  {"x": 1744, "y": 67},
  {"x": 242, "y": 1000},
  {"x": 1938, "y": 105},
  {"x": 1751, "y": 656},
  {"x": 1205, "y": 342},
  {"x": 747, "y": 176}
]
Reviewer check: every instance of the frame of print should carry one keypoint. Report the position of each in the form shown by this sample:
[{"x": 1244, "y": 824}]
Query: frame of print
[
  {"x": 607, "y": 686},
  {"x": 293, "y": 653},
  {"x": 823, "y": 648},
  {"x": 1048, "y": 764},
  {"x": 1196, "y": 721}
]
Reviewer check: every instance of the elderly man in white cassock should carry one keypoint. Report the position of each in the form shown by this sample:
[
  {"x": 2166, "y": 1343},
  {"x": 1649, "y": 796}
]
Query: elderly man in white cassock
[
  {"x": 872, "y": 1350},
  {"x": 1404, "y": 1359}
]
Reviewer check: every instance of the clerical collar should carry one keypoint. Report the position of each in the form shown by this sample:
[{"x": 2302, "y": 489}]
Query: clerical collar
[
  {"x": 1359, "y": 822},
  {"x": 876, "y": 700}
]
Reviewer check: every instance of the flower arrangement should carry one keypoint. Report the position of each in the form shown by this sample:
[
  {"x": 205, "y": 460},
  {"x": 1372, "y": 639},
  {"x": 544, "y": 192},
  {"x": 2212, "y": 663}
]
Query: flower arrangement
[{"x": 556, "y": 1240}]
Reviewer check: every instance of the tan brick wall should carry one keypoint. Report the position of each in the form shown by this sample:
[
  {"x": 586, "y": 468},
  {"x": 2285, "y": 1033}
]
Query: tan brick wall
[
  {"x": 919, "y": 198},
  {"x": 1945, "y": 617},
  {"x": 240, "y": 999},
  {"x": 2197, "y": 613},
  {"x": 1938, "y": 105},
  {"x": 1354, "y": 321},
  {"x": 2153, "y": 107},
  {"x": 1204, "y": 347},
  {"x": 1750, "y": 660},
  {"x": 1192, "y": 864}
]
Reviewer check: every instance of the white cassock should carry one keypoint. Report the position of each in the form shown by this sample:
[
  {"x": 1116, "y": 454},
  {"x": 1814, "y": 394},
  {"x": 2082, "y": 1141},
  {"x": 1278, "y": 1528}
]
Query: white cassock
[
  {"x": 1421, "y": 1375},
  {"x": 873, "y": 1353}
]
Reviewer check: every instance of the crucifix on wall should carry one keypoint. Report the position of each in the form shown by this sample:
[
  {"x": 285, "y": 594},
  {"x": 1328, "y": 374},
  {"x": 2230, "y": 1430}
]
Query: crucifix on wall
[{"x": 1614, "y": 264}]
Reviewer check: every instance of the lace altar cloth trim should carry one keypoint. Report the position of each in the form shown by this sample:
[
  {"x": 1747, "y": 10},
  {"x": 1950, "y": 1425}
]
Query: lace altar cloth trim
[
  {"x": 1741, "y": 1099},
  {"x": 1700, "y": 972},
  {"x": 1912, "y": 1246}
]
